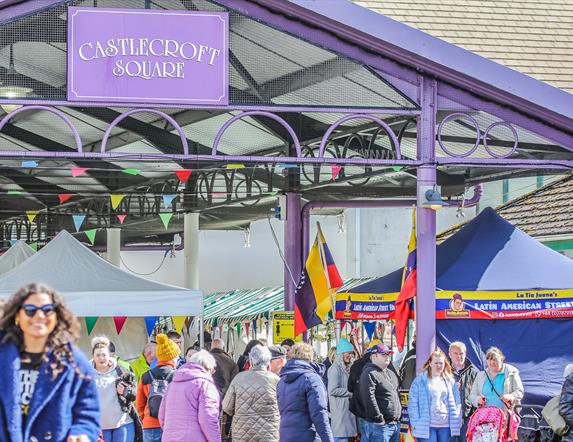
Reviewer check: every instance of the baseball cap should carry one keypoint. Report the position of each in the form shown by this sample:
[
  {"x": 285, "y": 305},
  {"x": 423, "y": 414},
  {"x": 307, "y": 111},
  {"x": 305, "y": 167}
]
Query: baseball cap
[
  {"x": 277, "y": 352},
  {"x": 380, "y": 348}
]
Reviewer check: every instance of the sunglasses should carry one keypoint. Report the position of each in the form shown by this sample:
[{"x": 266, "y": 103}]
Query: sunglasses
[{"x": 31, "y": 309}]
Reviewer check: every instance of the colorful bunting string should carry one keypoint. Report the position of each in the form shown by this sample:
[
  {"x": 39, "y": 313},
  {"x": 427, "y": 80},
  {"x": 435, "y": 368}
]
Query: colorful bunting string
[
  {"x": 116, "y": 200},
  {"x": 90, "y": 323},
  {"x": 165, "y": 218},
  {"x": 91, "y": 234},
  {"x": 63, "y": 197},
  {"x": 31, "y": 214},
  {"x": 77, "y": 171},
  {"x": 150, "y": 322},
  {"x": 168, "y": 199},
  {"x": 335, "y": 170},
  {"x": 78, "y": 221},
  {"x": 119, "y": 322},
  {"x": 183, "y": 174},
  {"x": 178, "y": 322}
]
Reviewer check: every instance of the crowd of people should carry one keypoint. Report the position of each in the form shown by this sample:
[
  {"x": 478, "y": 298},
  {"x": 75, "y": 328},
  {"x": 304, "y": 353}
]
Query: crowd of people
[{"x": 51, "y": 391}]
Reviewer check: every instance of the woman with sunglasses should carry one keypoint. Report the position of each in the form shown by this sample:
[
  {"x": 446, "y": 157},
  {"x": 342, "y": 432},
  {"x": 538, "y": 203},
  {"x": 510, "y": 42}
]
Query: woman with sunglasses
[{"x": 48, "y": 391}]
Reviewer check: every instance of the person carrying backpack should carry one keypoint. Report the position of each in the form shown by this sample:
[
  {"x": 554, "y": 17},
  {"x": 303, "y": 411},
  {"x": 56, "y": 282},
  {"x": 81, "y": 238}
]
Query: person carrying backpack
[{"x": 152, "y": 386}]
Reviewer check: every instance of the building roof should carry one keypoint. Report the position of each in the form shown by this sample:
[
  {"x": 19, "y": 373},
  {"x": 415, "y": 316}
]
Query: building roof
[
  {"x": 532, "y": 36},
  {"x": 545, "y": 212}
]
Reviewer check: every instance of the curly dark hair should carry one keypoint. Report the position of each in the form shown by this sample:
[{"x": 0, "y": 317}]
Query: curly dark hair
[{"x": 65, "y": 333}]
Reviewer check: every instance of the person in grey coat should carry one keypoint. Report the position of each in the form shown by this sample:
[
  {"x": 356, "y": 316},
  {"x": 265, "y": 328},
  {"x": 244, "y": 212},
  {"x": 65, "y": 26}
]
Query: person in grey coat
[{"x": 343, "y": 422}]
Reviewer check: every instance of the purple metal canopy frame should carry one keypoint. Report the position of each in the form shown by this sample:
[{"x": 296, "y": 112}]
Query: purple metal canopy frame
[{"x": 402, "y": 52}]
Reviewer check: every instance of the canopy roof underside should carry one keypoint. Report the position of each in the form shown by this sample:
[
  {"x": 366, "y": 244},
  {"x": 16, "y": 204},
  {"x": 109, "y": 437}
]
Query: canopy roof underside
[{"x": 308, "y": 84}]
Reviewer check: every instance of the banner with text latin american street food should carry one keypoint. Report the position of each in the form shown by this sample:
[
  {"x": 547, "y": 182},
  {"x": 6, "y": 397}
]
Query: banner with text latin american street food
[{"x": 519, "y": 304}]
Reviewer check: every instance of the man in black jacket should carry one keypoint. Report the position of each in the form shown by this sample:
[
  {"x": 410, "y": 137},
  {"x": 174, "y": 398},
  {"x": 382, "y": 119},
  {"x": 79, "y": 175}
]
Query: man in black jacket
[
  {"x": 378, "y": 390},
  {"x": 566, "y": 402},
  {"x": 464, "y": 374},
  {"x": 226, "y": 368}
]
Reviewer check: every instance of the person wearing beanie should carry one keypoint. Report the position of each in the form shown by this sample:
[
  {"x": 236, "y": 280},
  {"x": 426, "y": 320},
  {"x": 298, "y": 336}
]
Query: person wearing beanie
[
  {"x": 148, "y": 399},
  {"x": 342, "y": 420}
]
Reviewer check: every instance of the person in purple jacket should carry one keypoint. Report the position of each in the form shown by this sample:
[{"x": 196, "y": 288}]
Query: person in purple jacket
[
  {"x": 190, "y": 406},
  {"x": 302, "y": 399}
]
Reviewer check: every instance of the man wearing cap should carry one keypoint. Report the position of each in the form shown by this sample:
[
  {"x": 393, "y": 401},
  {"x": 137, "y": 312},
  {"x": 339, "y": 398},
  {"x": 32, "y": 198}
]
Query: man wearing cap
[
  {"x": 278, "y": 358},
  {"x": 167, "y": 353},
  {"x": 343, "y": 422},
  {"x": 380, "y": 397}
]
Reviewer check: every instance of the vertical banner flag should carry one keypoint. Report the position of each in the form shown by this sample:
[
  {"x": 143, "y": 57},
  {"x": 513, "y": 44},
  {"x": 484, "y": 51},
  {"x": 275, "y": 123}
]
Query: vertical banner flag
[
  {"x": 119, "y": 322},
  {"x": 178, "y": 322},
  {"x": 90, "y": 323},
  {"x": 319, "y": 280},
  {"x": 150, "y": 322},
  {"x": 404, "y": 302}
]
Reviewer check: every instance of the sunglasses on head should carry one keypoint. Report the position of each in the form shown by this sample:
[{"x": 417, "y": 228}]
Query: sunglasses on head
[{"x": 31, "y": 309}]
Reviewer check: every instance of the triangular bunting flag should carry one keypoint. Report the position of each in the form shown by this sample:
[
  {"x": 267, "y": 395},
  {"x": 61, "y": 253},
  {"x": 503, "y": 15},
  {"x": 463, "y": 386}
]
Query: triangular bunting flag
[
  {"x": 119, "y": 322},
  {"x": 247, "y": 328},
  {"x": 335, "y": 170},
  {"x": 77, "y": 171},
  {"x": 34, "y": 246},
  {"x": 78, "y": 221},
  {"x": 235, "y": 166},
  {"x": 90, "y": 323},
  {"x": 31, "y": 214},
  {"x": 238, "y": 329},
  {"x": 121, "y": 218},
  {"x": 91, "y": 234},
  {"x": 370, "y": 327},
  {"x": 166, "y": 217},
  {"x": 116, "y": 201},
  {"x": 63, "y": 197},
  {"x": 178, "y": 322},
  {"x": 183, "y": 174},
  {"x": 12, "y": 242},
  {"x": 130, "y": 171},
  {"x": 30, "y": 164},
  {"x": 168, "y": 199},
  {"x": 150, "y": 322}
]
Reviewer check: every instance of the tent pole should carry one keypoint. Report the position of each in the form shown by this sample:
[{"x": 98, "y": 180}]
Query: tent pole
[
  {"x": 191, "y": 250},
  {"x": 426, "y": 225},
  {"x": 113, "y": 246}
]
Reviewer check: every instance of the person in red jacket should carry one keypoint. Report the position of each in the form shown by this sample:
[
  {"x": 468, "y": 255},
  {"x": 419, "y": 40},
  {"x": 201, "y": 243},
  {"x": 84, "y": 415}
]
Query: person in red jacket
[{"x": 152, "y": 386}]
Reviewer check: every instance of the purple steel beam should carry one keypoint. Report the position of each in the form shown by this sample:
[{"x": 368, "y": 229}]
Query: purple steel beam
[
  {"x": 278, "y": 119},
  {"x": 232, "y": 107},
  {"x": 168, "y": 117},
  {"x": 292, "y": 245},
  {"x": 52, "y": 110},
  {"x": 373, "y": 118},
  {"x": 426, "y": 226},
  {"x": 14, "y": 9}
]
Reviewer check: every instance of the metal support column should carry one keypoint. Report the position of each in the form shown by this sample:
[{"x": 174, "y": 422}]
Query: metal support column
[
  {"x": 113, "y": 246},
  {"x": 426, "y": 226},
  {"x": 191, "y": 250},
  {"x": 293, "y": 247}
]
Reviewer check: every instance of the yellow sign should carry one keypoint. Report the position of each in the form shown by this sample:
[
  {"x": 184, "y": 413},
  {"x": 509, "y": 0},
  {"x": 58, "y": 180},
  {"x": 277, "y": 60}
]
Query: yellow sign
[{"x": 283, "y": 327}]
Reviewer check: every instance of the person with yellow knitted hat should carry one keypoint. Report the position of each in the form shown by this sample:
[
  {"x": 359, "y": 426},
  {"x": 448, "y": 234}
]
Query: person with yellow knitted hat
[{"x": 152, "y": 386}]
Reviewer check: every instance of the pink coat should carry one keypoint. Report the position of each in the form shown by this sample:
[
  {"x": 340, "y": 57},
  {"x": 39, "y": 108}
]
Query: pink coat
[{"x": 190, "y": 406}]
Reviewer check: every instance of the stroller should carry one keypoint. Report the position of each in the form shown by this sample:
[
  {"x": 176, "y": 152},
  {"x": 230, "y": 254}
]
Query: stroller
[
  {"x": 533, "y": 427},
  {"x": 488, "y": 424}
]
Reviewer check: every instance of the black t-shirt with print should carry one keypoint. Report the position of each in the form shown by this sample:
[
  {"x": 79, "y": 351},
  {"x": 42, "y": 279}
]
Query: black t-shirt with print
[{"x": 29, "y": 371}]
